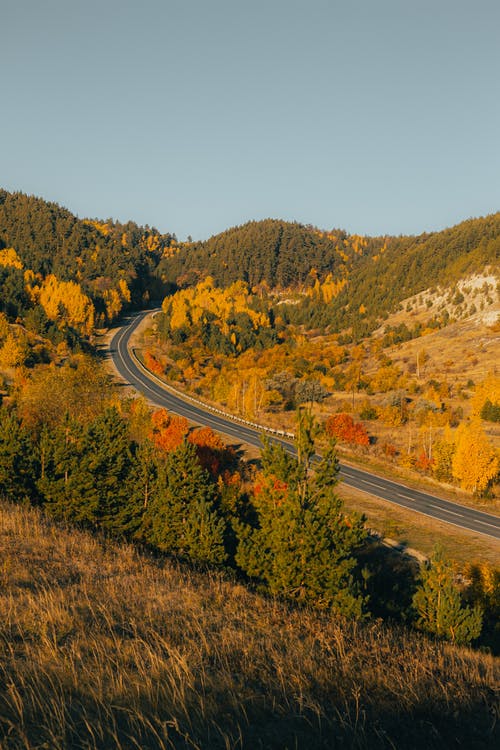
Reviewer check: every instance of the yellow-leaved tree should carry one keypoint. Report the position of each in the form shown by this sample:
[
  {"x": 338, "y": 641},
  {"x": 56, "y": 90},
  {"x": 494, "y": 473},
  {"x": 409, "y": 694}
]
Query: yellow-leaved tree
[
  {"x": 65, "y": 301},
  {"x": 13, "y": 352},
  {"x": 475, "y": 463},
  {"x": 9, "y": 257},
  {"x": 487, "y": 390},
  {"x": 114, "y": 300},
  {"x": 189, "y": 306}
]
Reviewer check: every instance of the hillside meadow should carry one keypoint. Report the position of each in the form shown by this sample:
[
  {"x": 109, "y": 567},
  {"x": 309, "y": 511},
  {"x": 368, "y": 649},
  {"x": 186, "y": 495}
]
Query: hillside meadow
[{"x": 102, "y": 646}]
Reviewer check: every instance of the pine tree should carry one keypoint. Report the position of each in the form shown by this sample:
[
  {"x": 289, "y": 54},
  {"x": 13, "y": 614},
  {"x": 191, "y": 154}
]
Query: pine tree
[
  {"x": 204, "y": 533},
  {"x": 18, "y": 465},
  {"x": 101, "y": 480},
  {"x": 301, "y": 544},
  {"x": 88, "y": 479},
  {"x": 142, "y": 486},
  {"x": 59, "y": 451},
  {"x": 307, "y": 431},
  {"x": 275, "y": 460},
  {"x": 438, "y": 605},
  {"x": 183, "y": 517}
]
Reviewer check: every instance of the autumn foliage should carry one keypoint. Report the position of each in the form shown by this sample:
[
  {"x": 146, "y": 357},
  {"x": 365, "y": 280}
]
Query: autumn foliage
[
  {"x": 168, "y": 432},
  {"x": 213, "y": 454},
  {"x": 344, "y": 428},
  {"x": 475, "y": 462},
  {"x": 152, "y": 363}
]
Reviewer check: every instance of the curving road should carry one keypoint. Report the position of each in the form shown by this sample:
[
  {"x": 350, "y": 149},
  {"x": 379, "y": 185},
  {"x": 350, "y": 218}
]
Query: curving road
[{"x": 132, "y": 372}]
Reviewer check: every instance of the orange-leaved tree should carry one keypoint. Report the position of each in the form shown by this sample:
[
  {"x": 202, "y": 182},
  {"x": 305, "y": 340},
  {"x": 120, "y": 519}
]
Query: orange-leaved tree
[
  {"x": 343, "y": 427},
  {"x": 168, "y": 430},
  {"x": 213, "y": 454},
  {"x": 152, "y": 363}
]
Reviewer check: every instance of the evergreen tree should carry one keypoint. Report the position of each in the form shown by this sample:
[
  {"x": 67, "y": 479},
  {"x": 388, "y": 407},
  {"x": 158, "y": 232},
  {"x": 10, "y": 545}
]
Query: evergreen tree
[
  {"x": 204, "y": 533},
  {"x": 183, "y": 517},
  {"x": 490, "y": 411},
  {"x": 302, "y": 544},
  {"x": 102, "y": 479},
  {"x": 438, "y": 605},
  {"x": 18, "y": 466},
  {"x": 307, "y": 431},
  {"x": 88, "y": 479},
  {"x": 143, "y": 486},
  {"x": 59, "y": 451},
  {"x": 275, "y": 460}
]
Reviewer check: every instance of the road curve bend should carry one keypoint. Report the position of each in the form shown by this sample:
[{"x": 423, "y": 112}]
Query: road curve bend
[{"x": 133, "y": 373}]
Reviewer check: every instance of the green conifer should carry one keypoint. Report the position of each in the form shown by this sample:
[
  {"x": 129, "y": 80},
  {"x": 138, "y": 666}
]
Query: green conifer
[
  {"x": 204, "y": 533},
  {"x": 59, "y": 450},
  {"x": 143, "y": 486},
  {"x": 88, "y": 480},
  {"x": 302, "y": 543},
  {"x": 18, "y": 465},
  {"x": 439, "y": 607},
  {"x": 275, "y": 460},
  {"x": 182, "y": 517}
]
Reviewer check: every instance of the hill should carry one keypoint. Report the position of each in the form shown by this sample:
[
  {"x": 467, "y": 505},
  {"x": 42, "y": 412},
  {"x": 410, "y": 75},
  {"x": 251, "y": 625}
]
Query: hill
[
  {"x": 174, "y": 658},
  {"x": 333, "y": 280},
  {"x": 112, "y": 263},
  {"x": 277, "y": 253},
  {"x": 337, "y": 274}
]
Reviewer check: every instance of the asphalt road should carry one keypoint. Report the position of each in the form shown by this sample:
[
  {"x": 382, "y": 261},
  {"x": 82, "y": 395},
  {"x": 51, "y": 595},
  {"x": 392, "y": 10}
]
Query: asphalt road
[{"x": 133, "y": 373}]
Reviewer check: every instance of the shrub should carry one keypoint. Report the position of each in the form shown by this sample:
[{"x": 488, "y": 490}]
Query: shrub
[{"x": 343, "y": 427}]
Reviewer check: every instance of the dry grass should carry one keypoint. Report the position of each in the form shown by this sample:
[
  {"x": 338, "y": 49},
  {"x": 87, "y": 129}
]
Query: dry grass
[{"x": 101, "y": 647}]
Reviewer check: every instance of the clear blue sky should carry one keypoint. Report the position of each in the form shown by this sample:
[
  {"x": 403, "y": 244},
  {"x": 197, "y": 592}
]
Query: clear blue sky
[{"x": 376, "y": 116}]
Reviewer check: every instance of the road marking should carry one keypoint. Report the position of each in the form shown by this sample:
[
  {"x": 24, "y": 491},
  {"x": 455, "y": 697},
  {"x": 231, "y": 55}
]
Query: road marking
[
  {"x": 373, "y": 484},
  {"x": 406, "y": 497},
  {"x": 485, "y": 523},
  {"x": 445, "y": 510}
]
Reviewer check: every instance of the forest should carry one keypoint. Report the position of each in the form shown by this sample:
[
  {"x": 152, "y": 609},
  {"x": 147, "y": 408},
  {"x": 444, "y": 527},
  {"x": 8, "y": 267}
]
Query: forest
[
  {"x": 70, "y": 445},
  {"x": 80, "y": 273},
  {"x": 234, "y": 349}
]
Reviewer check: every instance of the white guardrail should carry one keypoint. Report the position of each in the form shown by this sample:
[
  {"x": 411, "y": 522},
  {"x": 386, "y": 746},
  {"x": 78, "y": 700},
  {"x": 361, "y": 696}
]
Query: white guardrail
[{"x": 208, "y": 407}]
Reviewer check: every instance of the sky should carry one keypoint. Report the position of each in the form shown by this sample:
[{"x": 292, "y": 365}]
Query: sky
[{"x": 373, "y": 116}]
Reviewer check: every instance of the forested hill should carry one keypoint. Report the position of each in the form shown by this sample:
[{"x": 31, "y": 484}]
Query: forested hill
[
  {"x": 411, "y": 264},
  {"x": 348, "y": 280},
  {"x": 49, "y": 240},
  {"x": 340, "y": 280},
  {"x": 279, "y": 253}
]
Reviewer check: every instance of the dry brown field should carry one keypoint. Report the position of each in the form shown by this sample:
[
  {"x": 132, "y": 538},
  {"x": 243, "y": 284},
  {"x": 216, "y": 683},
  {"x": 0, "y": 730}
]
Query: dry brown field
[{"x": 102, "y": 647}]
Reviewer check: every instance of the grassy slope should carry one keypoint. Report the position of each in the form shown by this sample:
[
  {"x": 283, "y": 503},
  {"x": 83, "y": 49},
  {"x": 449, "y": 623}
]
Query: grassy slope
[{"x": 103, "y": 648}]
